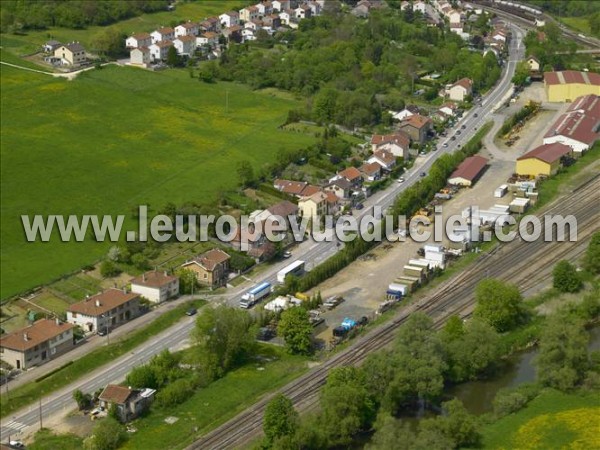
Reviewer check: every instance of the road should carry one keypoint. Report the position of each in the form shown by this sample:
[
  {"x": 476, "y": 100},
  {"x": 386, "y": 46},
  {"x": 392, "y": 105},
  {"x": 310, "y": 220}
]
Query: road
[{"x": 310, "y": 251}]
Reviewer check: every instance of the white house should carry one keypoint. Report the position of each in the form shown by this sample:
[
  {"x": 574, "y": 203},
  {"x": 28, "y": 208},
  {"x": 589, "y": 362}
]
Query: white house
[
  {"x": 208, "y": 38},
  {"x": 460, "y": 90},
  {"x": 140, "y": 56},
  {"x": 156, "y": 286},
  {"x": 160, "y": 50},
  {"x": 138, "y": 40},
  {"x": 249, "y": 13},
  {"x": 186, "y": 29},
  {"x": 185, "y": 45},
  {"x": 248, "y": 35},
  {"x": 315, "y": 8},
  {"x": 72, "y": 54},
  {"x": 229, "y": 19},
  {"x": 398, "y": 144},
  {"x": 281, "y": 5},
  {"x": 456, "y": 28},
  {"x": 453, "y": 16},
  {"x": 449, "y": 108},
  {"x": 163, "y": 34},
  {"x": 404, "y": 114},
  {"x": 302, "y": 12},
  {"x": 384, "y": 158},
  {"x": 285, "y": 17},
  {"x": 534, "y": 63},
  {"x": 420, "y": 6}
]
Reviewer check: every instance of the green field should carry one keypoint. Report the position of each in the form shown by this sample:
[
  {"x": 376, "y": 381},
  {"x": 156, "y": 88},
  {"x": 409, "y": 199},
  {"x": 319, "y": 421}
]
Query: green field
[
  {"x": 114, "y": 139},
  {"x": 551, "y": 421}
]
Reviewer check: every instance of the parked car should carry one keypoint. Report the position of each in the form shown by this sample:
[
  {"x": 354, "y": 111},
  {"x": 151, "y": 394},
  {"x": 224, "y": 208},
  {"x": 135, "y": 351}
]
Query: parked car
[
  {"x": 463, "y": 127},
  {"x": 401, "y": 180},
  {"x": 287, "y": 254},
  {"x": 101, "y": 332},
  {"x": 423, "y": 174},
  {"x": 333, "y": 301},
  {"x": 445, "y": 144},
  {"x": 191, "y": 312},
  {"x": 360, "y": 206},
  {"x": 475, "y": 115}
]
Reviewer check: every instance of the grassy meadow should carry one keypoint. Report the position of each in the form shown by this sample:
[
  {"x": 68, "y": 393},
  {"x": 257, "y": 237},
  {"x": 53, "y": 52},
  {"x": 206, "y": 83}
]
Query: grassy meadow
[{"x": 116, "y": 138}]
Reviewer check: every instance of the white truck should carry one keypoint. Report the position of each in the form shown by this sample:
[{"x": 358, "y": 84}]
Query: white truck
[{"x": 254, "y": 295}]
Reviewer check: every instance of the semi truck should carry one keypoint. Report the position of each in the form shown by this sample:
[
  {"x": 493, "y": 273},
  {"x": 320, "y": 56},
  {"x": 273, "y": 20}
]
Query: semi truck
[{"x": 254, "y": 295}]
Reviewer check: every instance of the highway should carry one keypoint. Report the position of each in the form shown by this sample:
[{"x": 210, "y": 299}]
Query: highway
[{"x": 61, "y": 402}]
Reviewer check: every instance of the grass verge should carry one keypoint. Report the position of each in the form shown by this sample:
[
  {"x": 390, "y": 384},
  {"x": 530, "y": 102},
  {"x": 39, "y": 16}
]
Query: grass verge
[{"x": 28, "y": 393}]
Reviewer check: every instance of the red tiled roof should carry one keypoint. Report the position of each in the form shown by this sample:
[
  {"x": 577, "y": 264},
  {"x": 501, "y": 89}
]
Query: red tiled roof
[
  {"x": 107, "y": 300},
  {"x": 331, "y": 197},
  {"x": 385, "y": 156},
  {"x": 467, "y": 83},
  {"x": 577, "y": 126},
  {"x": 210, "y": 259},
  {"x": 470, "y": 168},
  {"x": 310, "y": 190},
  {"x": 587, "y": 104},
  {"x": 290, "y": 187},
  {"x": 370, "y": 168},
  {"x": 400, "y": 138},
  {"x": 115, "y": 394},
  {"x": 283, "y": 209},
  {"x": 572, "y": 76},
  {"x": 141, "y": 36},
  {"x": 418, "y": 121},
  {"x": 187, "y": 38},
  {"x": 351, "y": 173},
  {"x": 155, "y": 279},
  {"x": 547, "y": 152},
  {"x": 166, "y": 30},
  {"x": 37, "y": 333}
]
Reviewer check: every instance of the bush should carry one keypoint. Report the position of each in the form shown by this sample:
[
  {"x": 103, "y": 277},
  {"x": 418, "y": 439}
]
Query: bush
[
  {"x": 509, "y": 401},
  {"x": 109, "y": 269},
  {"x": 566, "y": 278},
  {"x": 175, "y": 393}
]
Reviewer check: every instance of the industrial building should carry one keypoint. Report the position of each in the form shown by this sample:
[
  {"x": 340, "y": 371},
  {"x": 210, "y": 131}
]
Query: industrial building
[
  {"x": 567, "y": 85},
  {"x": 543, "y": 160},
  {"x": 469, "y": 171}
]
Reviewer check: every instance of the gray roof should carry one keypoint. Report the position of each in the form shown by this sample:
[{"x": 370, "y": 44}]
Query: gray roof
[{"x": 75, "y": 47}]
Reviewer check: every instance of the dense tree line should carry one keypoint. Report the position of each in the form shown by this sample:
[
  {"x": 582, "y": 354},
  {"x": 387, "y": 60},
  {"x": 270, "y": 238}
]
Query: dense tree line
[{"x": 19, "y": 15}]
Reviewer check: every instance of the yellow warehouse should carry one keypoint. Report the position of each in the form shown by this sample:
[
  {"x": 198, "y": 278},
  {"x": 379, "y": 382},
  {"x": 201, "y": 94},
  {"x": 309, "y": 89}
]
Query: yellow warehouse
[
  {"x": 567, "y": 85},
  {"x": 543, "y": 160}
]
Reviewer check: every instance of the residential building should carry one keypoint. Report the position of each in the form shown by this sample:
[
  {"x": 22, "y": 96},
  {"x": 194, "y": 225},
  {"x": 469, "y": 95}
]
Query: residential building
[
  {"x": 397, "y": 143},
  {"x": 313, "y": 207},
  {"x": 286, "y": 17},
  {"x": 384, "y": 158},
  {"x": 138, "y": 40},
  {"x": 272, "y": 21},
  {"x": 248, "y": 35},
  {"x": 417, "y": 127},
  {"x": 37, "y": 343},
  {"x": 405, "y": 113},
  {"x": 129, "y": 403},
  {"x": 208, "y": 38},
  {"x": 249, "y": 13},
  {"x": 265, "y": 8},
  {"x": 163, "y": 34},
  {"x": 72, "y": 54},
  {"x": 371, "y": 171},
  {"x": 457, "y": 28},
  {"x": 449, "y": 108},
  {"x": 210, "y": 24},
  {"x": 352, "y": 175},
  {"x": 296, "y": 188},
  {"x": 140, "y": 56},
  {"x": 229, "y": 19},
  {"x": 156, "y": 286},
  {"x": 281, "y": 5},
  {"x": 303, "y": 12},
  {"x": 469, "y": 171},
  {"x": 159, "y": 50},
  {"x": 453, "y": 16},
  {"x": 185, "y": 45},
  {"x": 211, "y": 268},
  {"x": 50, "y": 46},
  {"x": 543, "y": 160},
  {"x": 460, "y": 90},
  {"x": 233, "y": 33},
  {"x": 534, "y": 64},
  {"x": 315, "y": 8},
  {"x": 187, "y": 29},
  {"x": 333, "y": 203},
  {"x": 283, "y": 209},
  {"x": 104, "y": 311},
  {"x": 340, "y": 187},
  {"x": 567, "y": 85}
]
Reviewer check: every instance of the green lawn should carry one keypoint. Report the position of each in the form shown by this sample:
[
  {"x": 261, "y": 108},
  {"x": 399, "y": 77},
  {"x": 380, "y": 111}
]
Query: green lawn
[
  {"x": 45, "y": 439},
  {"x": 551, "y": 421},
  {"x": 218, "y": 402},
  {"x": 28, "y": 393},
  {"x": 114, "y": 139}
]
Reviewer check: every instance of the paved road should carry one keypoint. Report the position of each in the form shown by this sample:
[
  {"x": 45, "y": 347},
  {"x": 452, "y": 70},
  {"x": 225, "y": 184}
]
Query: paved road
[{"x": 310, "y": 251}]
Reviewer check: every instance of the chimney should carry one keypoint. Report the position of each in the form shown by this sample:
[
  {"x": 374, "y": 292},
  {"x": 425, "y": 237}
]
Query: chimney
[
  {"x": 97, "y": 303},
  {"x": 124, "y": 290},
  {"x": 57, "y": 321},
  {"x": 144, "y": 277},
  {"x": 25, "y": 336},
  {"x": 166, "y": 274}
]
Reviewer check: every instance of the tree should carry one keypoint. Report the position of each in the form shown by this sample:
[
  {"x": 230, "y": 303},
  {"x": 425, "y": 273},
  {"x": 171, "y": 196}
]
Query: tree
[
  {"x": 499, "y": 304},
  {"x": 280, "y": 419},
  {"x": 173, "y": 59},
  {"x": 346, "y": 404},
  {"x": 109, "y": 269},
  {"x": 295, "y": 328},
  {"x": 591, "y": 261},
  {"x": 175, "y": 393},
  {"x": 188, "y": 281},
  {"x": 109, "y": 42},
  {"x": 224, "y": 337},
  {"x": 108, "y": 435},
  {"x": 521, "y": 73},
  {"x": 390, "y": 434},
  {"x": 565, "y": 277},
  {"x": 82, "y": 400},
  {"x": 245, "y": 173},
  {"x": 562, "y": 358},
  {"x": 140, "y": 261},
  {"x": 114, "y": 253},
  {"x": 142, "y": 377},
  {"x": 454, "y": 429}
]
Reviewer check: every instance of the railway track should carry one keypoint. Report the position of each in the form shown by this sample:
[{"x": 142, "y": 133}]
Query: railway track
[{"x": 516, "y": 261}]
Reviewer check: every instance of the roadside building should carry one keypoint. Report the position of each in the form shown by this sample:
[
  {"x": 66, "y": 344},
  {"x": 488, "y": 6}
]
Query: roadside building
[
  {"x": 129, "y": 403},
  {"x": 105, "y": 311},
  {"x": 72, "y": 54},
  {"x": 534, "y": 63},
  {"x": 156, "y": 286},
  {"x": 567, "y": 85},
  {"x": 36, "y": 344},
  {"x": 211, "y": 268},
  {"x": 460, "y": 90},
  {"x": 469, "y": 171},
  {"x": 397, "y": 143},
  {"x": 313, "y": 207},
  {"x": 370, "y": 171},
  {"x": 543, "y": 160},
  {"x": 417, "y": 127},
  {"x": 385, "y": 159}
]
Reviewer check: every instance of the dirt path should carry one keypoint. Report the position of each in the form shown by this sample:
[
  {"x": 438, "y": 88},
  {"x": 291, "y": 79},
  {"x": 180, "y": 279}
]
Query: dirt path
[{"x": 69, "y": 76}]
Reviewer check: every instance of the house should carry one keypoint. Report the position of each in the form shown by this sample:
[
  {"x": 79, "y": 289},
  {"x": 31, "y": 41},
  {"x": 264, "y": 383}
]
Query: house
[
  {"x": 138, "y": 40},
  {"x": 272, "y": 21},
  {"x": 37, "y": 343},
  {"x": 453, "y": 16},
  {"x": 72, "y": 54},
  {"x": 294, "y": 188},
  {"x": 281, "y": 5},
  {"x": 449, "y": 108},
  {"x": 569, "y": 84},
  {"x": 313, "y": 207},
  {"x": 534, "y": 64},
  {"x": 543, "y": 160},
  {"x": 156, "y": 286},
  {"x": 283, "y": 209},
  {"x": 340, "y": 187},
  {"x": 397, "y": 143},
  {"x": 333, "y": 203},
  {"x": 163, "y": 34},
  {"x": 286, "y": 17},
  {"x": 302, "y": 12},
  {"x": 159, "y": 50},
  {"x": 140, "y": 56},
  {"x": 352, "y": 175},
  {"x": 265, "y": 8},
  {"x": 210, "y": 24},
  {"x": 208, "y": 38},
  {"x": 384, "y": 158},
  {"x": 187, "y": 29},
  {"x": 575, "y": 129},
  {"x": 460, "y": 90},
  {"x": 419, "y": 5},
  {"x": 248, "y": 35},
  {"x": 417, "y": 127},
  {"x": 185, "y": 45},
  {"x": 405, "y": 113},
  {"x": 469, "y": 171},
  {"x": 229, "y": 19},
  {"x": 233, "y": 33},
  {"x": 370, "y": 171},
  {"x": 50, "y": 46},
  {"x": 211, "y": 268},
  {"x": 499, "y": 34},
  {"x": 129, "y": 403},
  {"x": 105, "y": 310},
  {"x": 315, "y": 8},
  {"x": 249, "y": 13}
]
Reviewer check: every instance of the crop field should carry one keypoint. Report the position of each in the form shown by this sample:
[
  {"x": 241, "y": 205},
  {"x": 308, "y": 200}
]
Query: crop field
[{"x": 114, "y": 139}]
